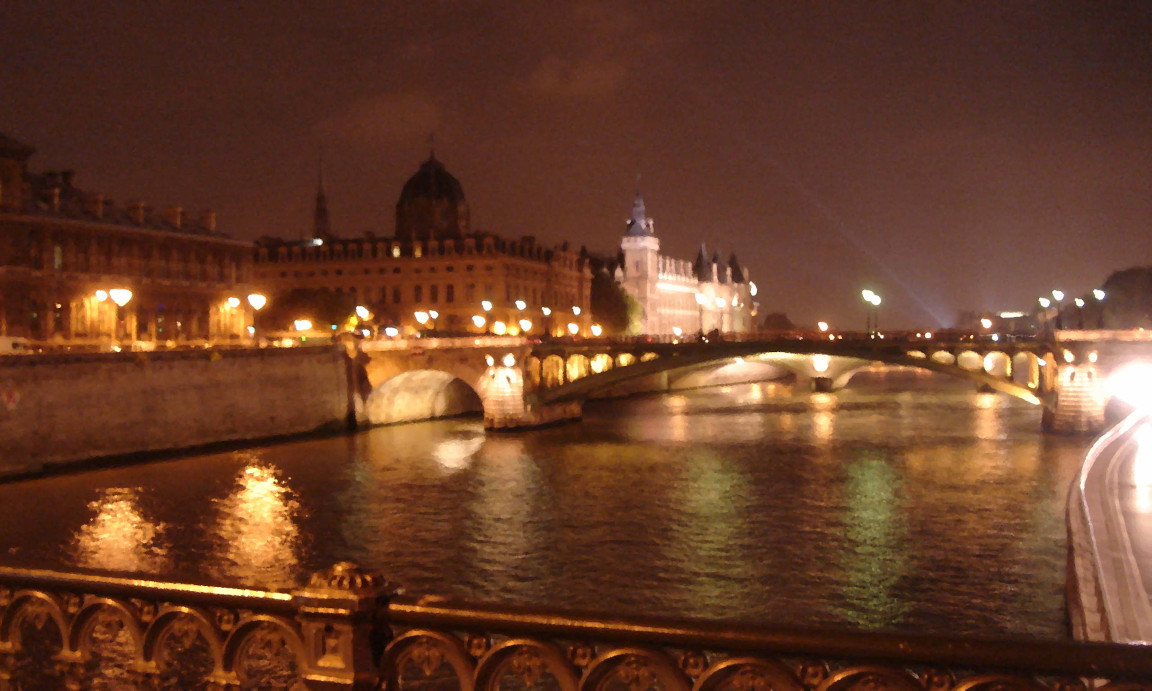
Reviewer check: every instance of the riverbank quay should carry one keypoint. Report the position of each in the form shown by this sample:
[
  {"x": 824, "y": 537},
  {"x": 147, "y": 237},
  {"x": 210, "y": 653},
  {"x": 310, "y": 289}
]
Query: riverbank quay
[
  {"x": 1109, "y": 520},
  {"x": 57, "y": 410},
  {"x": 349, "y": 628}
]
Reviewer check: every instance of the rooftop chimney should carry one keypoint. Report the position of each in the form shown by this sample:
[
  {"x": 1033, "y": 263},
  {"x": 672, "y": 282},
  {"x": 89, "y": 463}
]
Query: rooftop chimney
[
  {"x": 174, "y": 215},
  {"x": 136, "y": 211},
  {"x": 208, "y": 220}
]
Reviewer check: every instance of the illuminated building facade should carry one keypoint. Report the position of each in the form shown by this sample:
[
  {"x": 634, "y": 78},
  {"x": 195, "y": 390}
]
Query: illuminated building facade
[
  {"x": 75, "y": 269},
  {"x": 435, "y": 273},
  {"x": 677, "y": 296}
]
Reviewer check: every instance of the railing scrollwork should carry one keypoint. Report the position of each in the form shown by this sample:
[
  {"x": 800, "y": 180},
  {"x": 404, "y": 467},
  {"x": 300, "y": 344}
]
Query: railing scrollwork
[{"x": 351, "y": 629}]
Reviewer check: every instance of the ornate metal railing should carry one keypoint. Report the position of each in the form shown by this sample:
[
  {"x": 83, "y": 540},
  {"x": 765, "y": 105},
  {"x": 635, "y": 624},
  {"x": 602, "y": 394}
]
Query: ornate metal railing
[{"x": 350, "y": 629}]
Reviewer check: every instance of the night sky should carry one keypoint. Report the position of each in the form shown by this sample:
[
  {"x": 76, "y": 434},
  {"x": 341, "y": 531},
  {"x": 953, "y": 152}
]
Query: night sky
[{"x": 946, "y": 155}]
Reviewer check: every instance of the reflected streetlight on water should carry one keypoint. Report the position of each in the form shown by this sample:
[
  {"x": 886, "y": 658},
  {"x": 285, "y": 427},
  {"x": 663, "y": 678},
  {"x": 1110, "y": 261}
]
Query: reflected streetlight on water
[{"x": 257, "y": 538}]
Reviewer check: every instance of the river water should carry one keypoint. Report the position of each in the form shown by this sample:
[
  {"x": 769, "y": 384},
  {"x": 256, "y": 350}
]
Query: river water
[{"x": 908, "y": 502}]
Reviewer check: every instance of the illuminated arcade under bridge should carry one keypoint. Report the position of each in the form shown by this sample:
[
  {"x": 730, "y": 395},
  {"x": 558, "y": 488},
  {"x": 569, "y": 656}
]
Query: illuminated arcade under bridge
[{"x": 520, "y": 384}]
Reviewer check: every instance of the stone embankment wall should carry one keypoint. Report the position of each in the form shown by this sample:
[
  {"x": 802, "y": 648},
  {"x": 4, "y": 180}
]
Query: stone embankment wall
[{"x": 60, "y": 409}]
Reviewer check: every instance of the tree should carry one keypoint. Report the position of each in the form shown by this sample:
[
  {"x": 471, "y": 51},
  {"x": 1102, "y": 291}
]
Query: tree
[
  {"x": 1127, "y": 303},
  {"x": 777, "y": 321},
  {"x": 615, "y": 310}
]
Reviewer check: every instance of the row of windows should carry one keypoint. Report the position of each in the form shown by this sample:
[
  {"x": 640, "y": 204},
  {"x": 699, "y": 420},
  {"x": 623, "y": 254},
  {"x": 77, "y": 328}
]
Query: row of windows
[
  {"x": 380, "y": 250},
  {"x": 434, "y": 294},
  {"x": 145, "y": 259}
]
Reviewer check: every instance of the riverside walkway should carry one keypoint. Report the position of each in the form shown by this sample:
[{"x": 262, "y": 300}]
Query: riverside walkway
[{"x": 1110, "y": 537}]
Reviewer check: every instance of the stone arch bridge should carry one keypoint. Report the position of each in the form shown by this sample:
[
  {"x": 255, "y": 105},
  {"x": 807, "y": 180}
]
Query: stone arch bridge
[{"x": 517, "y": 383}]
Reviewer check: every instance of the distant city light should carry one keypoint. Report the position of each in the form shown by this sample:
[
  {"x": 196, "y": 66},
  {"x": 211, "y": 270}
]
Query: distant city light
[
  {"x": 233, "y": 302},
  {"x": 823, "y": 326},
  {"x": 677, "y": 331},
  {"x": 596, "y": 330},
  {"x": 525, "y": 325},
  {"x": 547, "y": 311},
  {"x": 490, "y": 360},
  {"x": 421, "y": 317},
  {"x": 101, "y": 295},
  {"x": 434, "y": 314},
  {"x": 573, "y": 328},
  {"x": 1058, "y": 294},
  {"x": 1045, "y": 302},
  {"x": 1098, "y": 294},
  {"x": 499, "y": 328},
  {"x": 575, "y": 311},
  {"x": 752, "y": 289},
  {"x": 487, "y": 305},
  {"x": 509, "y": 360},
  {"x": 316, "y": 242},
  {"x": 986, "y": 323},
  {"x": 257, "y": 301},
  {"x": 719, "y": 302},
  {"x": 362, "y": 311},
  {"x": 1010, "y": 315},
  {"x": 520, "y": 304},
  {"x": 391, "y": 331},
  {"x": 479, "y": 321},
  {"x": 302, "y": 324}
]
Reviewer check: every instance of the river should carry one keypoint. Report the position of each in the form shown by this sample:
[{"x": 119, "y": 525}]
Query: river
[{"x": 908, "y": 502}]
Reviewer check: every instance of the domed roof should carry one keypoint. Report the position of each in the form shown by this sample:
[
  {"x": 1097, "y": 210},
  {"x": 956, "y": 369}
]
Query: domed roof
[{"x": 432, "y": 182}]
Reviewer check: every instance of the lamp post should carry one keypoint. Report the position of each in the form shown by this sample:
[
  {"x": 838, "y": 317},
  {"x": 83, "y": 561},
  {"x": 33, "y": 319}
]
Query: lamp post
[
  {"x": 1058, "y": 295},
  {"x": 121, "y": 297},
  {"x": 872, "y": 313},
  {"x": 1045, "y": 303},
  {"x": 1099, "y": 295},
  {"x": 257, "y": 301}
]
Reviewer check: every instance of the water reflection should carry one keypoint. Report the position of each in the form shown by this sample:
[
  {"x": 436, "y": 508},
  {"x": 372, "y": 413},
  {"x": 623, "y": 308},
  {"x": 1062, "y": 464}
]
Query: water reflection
[
  {"x": 456, "y": 452},
  {"x": 823, "y": 417},
  {"x": 119, "y": 536},
  {"x": 874, "y": 556},
  {"x": 255, "y": 531}
]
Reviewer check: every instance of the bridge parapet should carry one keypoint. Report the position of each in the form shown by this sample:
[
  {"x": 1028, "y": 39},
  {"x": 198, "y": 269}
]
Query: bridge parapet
[{"x": 350, "y": 629}]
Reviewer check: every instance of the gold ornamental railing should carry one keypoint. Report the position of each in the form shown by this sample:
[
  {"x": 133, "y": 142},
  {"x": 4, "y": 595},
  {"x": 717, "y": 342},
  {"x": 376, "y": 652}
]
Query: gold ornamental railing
[{"x": 348, "y": 629}]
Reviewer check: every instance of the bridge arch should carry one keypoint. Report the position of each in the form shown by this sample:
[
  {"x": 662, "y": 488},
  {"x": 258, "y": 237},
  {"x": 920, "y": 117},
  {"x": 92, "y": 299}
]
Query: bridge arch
[{"x": 421, "y": 395}]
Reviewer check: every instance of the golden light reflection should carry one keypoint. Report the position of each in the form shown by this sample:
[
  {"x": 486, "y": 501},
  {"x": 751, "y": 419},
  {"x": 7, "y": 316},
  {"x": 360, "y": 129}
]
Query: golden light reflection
[
  {"x": 454, "y": 453},
  {"x": 255, "y": 532},
  {"x": 823, "y": 417},
  {"x": 119, "y": 537},
  {"x": 989, "y": 418}
]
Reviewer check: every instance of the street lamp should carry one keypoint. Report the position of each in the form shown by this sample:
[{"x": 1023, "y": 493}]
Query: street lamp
[
  {"x": 121, "y": 297},
  {"x": 1058, "y": 295},
  {"x": 257, "y": 302},
  {"x": 872, "y": 314}
]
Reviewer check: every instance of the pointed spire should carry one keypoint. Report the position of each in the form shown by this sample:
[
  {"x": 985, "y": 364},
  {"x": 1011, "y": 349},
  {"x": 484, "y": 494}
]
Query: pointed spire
[
  {"x": 320, "y": 226},
  {"x": 736, "y": 269},
  {"x": 702, "y": 266},
  {"x": 639, "y": 224}
]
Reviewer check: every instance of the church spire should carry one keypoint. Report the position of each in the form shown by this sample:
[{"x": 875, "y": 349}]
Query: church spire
[
  {"x": 320, "y": 226},
  {"x": 639, "y": 224}
]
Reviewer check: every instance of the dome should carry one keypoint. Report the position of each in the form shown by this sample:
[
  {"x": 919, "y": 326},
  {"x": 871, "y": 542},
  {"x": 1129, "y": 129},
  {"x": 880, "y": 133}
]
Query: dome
[
  {"x": 432, "y": 205},
  {"x": 432, "y": 182}
]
